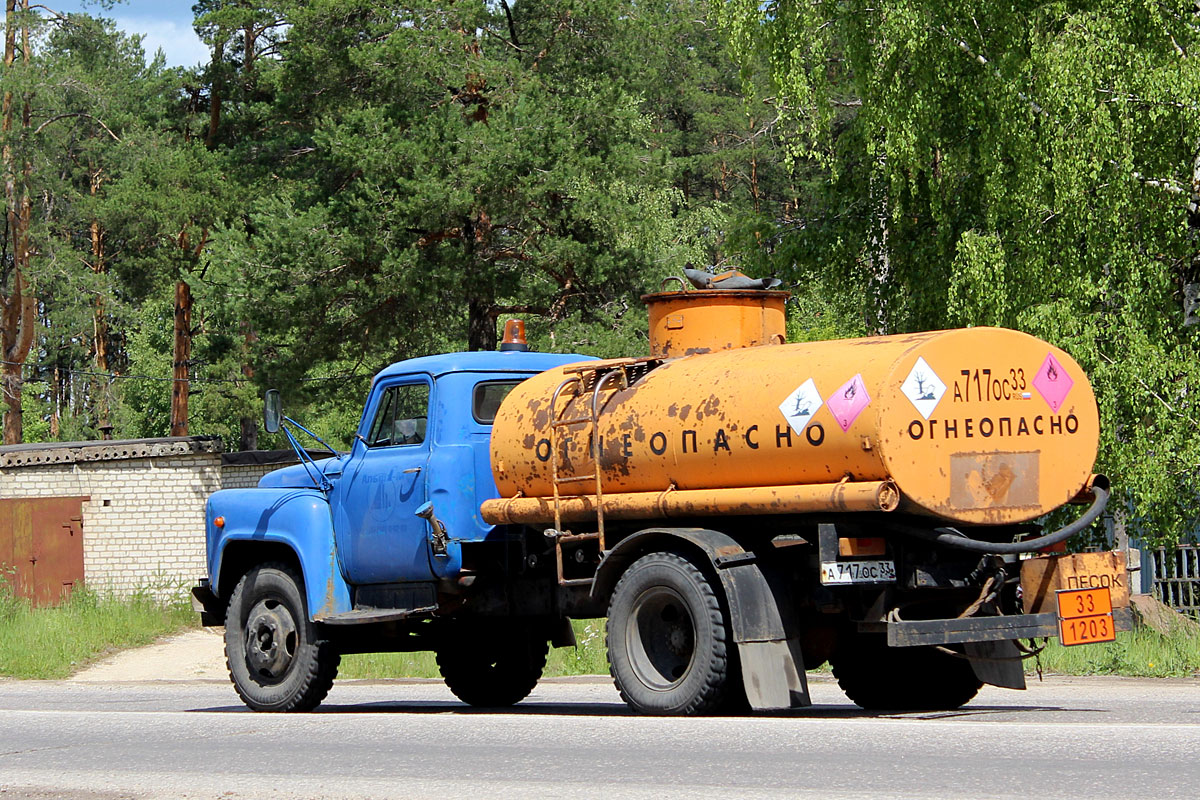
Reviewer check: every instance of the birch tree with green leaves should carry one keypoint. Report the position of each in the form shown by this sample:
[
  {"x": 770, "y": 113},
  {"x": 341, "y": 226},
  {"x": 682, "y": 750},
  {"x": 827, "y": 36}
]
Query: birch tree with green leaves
[{"x": 1035, "y": 165}]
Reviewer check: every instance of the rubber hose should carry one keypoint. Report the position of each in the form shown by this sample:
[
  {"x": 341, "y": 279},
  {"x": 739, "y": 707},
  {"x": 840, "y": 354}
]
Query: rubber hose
[{"x": 952, "y": 537}]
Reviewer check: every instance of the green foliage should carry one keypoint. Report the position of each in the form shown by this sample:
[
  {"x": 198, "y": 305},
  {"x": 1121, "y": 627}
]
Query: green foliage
[
  {"x": 348, "y": 183},
  {"x": 553, "y": 163},
  {"x": 977, "y": 294},
  {"x": 1029, "y": 166},
  {"x": 51, "y": 643}
]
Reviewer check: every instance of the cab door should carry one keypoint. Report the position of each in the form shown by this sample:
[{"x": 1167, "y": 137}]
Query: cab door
[{"x": 379, "y": 537}]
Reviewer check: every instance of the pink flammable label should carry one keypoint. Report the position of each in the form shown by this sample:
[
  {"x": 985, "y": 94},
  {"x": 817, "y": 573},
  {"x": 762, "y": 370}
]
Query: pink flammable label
[
  {"x": 1053, "y": 382},
  {"x": 848, "y": 401}
]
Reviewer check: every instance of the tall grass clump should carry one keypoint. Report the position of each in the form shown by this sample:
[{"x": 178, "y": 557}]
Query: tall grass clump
[
  {"x": 589, "y": 656},
  {"x": 54, "y": 642},
  {"x": 1142, "y": 652},
  {"x": 381, "y": 666}
]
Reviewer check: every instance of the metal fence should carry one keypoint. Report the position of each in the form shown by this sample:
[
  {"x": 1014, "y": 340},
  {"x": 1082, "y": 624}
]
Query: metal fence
[{"x": 1176, "y": 574}]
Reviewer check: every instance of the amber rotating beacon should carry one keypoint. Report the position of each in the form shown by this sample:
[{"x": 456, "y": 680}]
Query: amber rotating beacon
[{"x": 975, "y": 426}]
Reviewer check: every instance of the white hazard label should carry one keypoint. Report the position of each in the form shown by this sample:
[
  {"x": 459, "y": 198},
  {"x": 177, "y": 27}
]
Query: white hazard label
[
  {"x": 800, "y": 405},
  {"x": 923, "y": 387}
]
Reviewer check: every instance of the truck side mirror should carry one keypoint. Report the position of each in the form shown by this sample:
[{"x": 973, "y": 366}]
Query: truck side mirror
[{"x": 272, "y": 411}]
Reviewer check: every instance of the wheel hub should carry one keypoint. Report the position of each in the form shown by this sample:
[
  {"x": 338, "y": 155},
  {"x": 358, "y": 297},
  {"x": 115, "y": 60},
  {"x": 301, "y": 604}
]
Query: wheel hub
[
  {"x": 661, "y": 638},
  {"x": 270, "y": 639}
]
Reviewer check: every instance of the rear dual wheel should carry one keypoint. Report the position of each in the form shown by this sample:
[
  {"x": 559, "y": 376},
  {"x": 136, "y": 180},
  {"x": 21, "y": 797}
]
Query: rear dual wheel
[
  {"x": 669, "y": 645},
  {"x": 493, "y": 664},
  {"x": 881, "y": 678}
]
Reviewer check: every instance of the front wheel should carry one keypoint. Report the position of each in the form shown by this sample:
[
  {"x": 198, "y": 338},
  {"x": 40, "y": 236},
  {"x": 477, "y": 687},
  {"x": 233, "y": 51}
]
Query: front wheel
[
  {"x": 276, "y": 658},
  {"x": 668, "y": 641}
]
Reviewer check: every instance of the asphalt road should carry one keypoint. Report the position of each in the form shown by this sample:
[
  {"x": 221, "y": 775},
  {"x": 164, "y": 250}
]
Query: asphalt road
[{"x": 1066, "y": 737}]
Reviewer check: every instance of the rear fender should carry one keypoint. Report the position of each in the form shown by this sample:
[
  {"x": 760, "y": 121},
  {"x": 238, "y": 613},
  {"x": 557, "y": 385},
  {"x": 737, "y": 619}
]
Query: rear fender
[
  {"x": 260, "y": 521},
  {"x": 771, "y": 661}
]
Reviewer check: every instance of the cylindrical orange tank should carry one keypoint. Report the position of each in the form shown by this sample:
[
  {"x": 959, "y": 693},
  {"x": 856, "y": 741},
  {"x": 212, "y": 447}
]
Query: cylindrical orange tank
[
  {"x": 982, "y": 425},
  {"x": 684, "y": 323}
]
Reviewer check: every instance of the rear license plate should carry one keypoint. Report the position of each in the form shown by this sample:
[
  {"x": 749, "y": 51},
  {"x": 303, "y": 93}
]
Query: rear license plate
[
  {"x": 1085, "y": 616},
  {"x": 843, "y": 572}
]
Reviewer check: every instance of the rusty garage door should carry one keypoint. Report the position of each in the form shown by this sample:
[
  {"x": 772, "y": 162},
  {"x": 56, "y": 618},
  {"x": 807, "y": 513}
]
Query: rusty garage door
[{"x": 41, "y": 546}]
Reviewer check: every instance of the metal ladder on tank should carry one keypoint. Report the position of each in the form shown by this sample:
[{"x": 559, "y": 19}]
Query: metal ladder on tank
[{"x": 614, "y": 370}]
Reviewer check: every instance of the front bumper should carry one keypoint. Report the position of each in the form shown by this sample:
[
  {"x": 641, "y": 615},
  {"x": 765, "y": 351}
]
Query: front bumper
[{"x": 208, "y": 605}]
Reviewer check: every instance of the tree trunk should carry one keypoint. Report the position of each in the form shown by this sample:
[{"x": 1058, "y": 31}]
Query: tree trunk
[
  {"x": 249, "y": 39},
  {"x": 183, "y": 356},
  {"x": 249, "y": 434},
  {"x": 214, "y": 106},
  {"x": 100, "y": 317},
  {"x": 56, "y": 391},
  {"x": 881, "y": 265},
  {"x": 249, "y": 425},
  {"x": 481, "y": 323},
  {"x": 17, "y": 315},
  {"x": 99, "y": 267}
]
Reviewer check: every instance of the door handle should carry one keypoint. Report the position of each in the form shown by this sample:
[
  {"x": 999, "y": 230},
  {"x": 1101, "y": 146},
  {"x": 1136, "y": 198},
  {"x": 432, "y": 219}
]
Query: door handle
[{"x": 410, "y": 471}]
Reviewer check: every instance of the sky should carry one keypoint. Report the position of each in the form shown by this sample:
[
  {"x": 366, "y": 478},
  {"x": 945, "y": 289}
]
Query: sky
[{"x": 166, "y": 24}]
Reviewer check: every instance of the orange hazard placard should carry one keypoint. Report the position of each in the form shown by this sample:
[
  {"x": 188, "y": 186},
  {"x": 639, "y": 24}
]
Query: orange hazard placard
[{"x": 1085, "y": 616}]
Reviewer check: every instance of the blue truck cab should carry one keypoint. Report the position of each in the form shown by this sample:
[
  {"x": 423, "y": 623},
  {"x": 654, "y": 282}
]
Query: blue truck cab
[{"x": 358, "y": 552}]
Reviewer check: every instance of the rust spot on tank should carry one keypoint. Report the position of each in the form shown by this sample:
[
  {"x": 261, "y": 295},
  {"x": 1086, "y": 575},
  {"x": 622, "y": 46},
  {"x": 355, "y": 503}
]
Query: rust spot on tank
[
  {"x": 710, "y": 407},
  {"x": 683, "y": 413},
  {"x": 672, "y": 410},
  {"x": 529, "y": 441}
]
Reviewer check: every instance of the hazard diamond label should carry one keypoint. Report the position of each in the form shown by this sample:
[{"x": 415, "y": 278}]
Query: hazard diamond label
[
  {"x": 848, "y": 401},
  {"x": 1052, "y": 382},
  {"x": 800, "y": 405},
  {"x": 923, "y": 388}
]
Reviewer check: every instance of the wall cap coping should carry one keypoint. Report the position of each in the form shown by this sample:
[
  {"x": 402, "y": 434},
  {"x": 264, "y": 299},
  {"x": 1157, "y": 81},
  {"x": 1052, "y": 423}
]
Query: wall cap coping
[{"x": 35, "y": 454}]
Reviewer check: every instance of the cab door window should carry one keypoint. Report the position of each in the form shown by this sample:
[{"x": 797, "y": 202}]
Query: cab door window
[{"x": 402, "y": 416}]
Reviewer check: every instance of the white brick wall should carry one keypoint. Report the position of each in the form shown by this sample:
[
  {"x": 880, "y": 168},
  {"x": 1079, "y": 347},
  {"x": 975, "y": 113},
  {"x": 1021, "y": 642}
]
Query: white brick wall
[
  {"x": 143, "y": 526},
  {"x": 243, "y": 476}
]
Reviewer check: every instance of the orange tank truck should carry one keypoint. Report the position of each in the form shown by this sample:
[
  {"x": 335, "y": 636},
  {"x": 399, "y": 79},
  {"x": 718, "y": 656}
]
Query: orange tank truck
[
  {"x": 976, "y": 426},
  {"x": 741, "y": 509}
]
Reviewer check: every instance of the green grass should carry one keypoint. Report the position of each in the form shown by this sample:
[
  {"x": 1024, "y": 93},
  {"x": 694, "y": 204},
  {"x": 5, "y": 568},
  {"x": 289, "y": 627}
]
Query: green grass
[
  {"x": 54, "y": 642},
  {"x": 1143, "y": 653},
  {"x": 381, "y": 666},
  {"x": 587, "y": 658}
]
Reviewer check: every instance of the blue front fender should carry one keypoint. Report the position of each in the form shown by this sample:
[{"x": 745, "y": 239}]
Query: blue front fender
[{"x": 296, "y": 518}]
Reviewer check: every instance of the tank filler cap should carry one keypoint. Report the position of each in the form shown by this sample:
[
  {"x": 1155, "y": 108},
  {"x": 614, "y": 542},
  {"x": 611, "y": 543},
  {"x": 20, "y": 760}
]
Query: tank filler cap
[{"x": 514, "y": 337}]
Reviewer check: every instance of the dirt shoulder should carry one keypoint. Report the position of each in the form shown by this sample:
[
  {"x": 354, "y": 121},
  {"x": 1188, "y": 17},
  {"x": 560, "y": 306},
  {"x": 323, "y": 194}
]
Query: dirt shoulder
[{"x": 189, "y": 656}]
